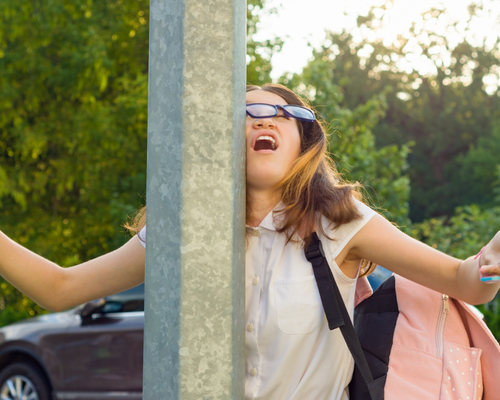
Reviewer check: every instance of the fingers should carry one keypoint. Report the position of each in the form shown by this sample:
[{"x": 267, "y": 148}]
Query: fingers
[
  {"x": 490, "y": 270},
  {"x": 489, "y": 261},
  {"x": 490, "y": 273}
]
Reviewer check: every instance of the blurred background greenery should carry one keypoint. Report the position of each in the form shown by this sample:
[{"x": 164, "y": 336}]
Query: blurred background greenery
[{"x": 73, "y": 125}]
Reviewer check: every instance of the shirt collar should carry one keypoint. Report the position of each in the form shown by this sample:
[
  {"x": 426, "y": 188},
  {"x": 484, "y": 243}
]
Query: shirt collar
[{"x": 270, "y": 220}]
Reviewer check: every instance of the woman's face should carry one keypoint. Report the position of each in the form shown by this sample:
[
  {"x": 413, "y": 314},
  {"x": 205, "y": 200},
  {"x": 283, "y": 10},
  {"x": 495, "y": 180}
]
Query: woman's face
[{"x": 268, "y": 162}]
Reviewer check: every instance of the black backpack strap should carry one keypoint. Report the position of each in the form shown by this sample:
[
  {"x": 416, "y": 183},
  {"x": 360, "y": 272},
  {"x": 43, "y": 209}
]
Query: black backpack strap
[{"x": 336, "y": 313}]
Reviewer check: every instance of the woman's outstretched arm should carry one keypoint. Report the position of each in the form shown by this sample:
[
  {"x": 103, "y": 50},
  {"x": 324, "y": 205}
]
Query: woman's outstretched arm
[
  {"x": 57, "y": 288},
  {"x": 379, "y": 241}
]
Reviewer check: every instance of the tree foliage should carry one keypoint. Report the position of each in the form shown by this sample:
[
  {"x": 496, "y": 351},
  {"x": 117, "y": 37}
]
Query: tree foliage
[
  {"x": 259, "y": 53},
  {"x": 441, "y": 95},
  {"x": 73, "y": 115},
  {"x": 382, "y": 171}
]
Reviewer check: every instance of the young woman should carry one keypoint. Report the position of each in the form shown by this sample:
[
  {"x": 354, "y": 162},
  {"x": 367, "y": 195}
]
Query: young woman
[{"x": 292, "y": 191}]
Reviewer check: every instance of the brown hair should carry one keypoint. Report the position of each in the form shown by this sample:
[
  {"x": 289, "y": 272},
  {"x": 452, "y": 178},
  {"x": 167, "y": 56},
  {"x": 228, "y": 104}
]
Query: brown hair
[
  {"x": 137, "y": 222},
  {"x": 313, "y": 188}
]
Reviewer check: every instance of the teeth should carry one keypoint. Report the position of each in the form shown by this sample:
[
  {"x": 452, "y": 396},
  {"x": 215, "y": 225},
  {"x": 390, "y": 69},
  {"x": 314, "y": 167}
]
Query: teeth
[{"x": 267, "y": 138}]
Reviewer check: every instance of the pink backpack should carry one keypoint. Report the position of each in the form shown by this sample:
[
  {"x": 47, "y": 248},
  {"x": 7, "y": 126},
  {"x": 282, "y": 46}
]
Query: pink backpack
[
  {"x": 418, "y": 344},
  {"x": 440, "y": 348}
]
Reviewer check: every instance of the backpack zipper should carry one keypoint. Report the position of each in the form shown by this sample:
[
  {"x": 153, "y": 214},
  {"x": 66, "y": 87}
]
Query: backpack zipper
[{"x": 443, "y": 312}]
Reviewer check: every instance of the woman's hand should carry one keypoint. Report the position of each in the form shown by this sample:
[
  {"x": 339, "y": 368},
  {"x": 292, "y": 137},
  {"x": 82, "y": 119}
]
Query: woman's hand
[{"x": 490, "y": 258}]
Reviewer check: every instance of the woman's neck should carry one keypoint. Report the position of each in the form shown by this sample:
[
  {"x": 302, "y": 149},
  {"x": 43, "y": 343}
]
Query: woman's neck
[{"x": 259, "y": 204}]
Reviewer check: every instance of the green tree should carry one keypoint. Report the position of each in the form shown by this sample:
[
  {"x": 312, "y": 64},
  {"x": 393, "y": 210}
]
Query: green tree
[
  {"x": 259, "y": 53},
  {"x": 73, "y": 125},
  {"x": 444, "y": 110},
  {"x": 382, "y": 171},
  {"x": 477, "y": 169}
]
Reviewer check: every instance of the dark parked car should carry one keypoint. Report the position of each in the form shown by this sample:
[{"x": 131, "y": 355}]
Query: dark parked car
[{"x": 92, "y": 352}]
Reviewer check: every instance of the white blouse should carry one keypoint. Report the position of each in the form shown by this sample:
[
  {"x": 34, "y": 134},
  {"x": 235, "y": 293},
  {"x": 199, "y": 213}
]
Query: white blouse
[{"x": 290, "y": 352}]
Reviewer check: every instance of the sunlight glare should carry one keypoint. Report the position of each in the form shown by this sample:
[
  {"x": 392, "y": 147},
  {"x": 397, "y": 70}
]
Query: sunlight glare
[{"x": 303, "y": 25}]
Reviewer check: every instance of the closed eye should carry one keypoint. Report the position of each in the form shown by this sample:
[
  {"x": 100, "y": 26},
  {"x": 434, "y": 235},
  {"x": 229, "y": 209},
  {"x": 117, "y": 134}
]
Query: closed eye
[{"x": 281, "y": 115}]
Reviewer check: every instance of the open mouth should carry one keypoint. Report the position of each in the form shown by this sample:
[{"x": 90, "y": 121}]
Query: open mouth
[{"x": 265, "y": 143}]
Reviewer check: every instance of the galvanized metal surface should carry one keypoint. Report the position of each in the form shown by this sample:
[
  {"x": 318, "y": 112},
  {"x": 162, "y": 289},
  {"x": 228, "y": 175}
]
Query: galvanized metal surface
[{"x": 194, "y": 334}]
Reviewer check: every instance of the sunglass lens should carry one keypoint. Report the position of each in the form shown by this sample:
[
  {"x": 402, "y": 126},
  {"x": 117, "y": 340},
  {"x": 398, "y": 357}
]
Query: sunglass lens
[
  {"x": 300, "y": 113},
  {"x": 261, "y": 110}
]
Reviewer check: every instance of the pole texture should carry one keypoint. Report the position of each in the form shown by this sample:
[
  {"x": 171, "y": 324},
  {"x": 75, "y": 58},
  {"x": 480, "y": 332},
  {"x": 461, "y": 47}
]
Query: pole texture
[{"x": 195, "y": 255}]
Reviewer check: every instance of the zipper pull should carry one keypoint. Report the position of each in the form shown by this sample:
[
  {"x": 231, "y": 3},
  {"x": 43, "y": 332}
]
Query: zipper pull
[{"x": 446, "y": 308}]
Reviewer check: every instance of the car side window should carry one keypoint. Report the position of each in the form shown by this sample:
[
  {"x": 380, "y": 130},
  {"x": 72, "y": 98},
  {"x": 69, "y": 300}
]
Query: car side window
[{"x": 127, "y": 301}]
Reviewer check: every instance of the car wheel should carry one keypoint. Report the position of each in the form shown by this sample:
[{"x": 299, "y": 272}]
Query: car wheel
[{"x": 23, "y": 381}]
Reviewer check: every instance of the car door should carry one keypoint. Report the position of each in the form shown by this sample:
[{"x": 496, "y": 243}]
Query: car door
[{"x": 103, "y": 352}]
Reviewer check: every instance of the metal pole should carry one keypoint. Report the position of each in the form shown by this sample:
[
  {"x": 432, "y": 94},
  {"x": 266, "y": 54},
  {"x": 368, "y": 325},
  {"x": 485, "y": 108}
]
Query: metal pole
[{"x": 194, "y": 328}]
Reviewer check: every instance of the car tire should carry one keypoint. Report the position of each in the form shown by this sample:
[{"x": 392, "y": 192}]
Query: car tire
[{"x": 26, "y": 376}]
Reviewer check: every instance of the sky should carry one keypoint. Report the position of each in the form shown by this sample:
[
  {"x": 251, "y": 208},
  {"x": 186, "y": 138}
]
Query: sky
[{"x": 300, "y": 22}]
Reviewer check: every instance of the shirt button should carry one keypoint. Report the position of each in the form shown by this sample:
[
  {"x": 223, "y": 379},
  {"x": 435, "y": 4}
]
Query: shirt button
[
  {"x": 255, "y": 232},
  {"x": 249, "y": 327},
  {"x": 253, "y": 372},
  {"x": 255, "y": 281}
]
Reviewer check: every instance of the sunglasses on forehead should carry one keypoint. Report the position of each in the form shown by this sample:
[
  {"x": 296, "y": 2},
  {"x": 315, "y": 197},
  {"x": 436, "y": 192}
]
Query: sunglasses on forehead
[{"x": 262, "y": 110}]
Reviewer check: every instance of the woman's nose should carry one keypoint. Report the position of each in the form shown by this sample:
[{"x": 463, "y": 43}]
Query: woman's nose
[{"x": 264, "y": 122}]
